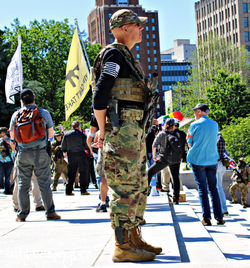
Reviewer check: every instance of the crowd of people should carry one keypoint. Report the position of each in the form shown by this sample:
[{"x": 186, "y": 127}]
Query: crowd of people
[{"x": 113, "y": 155}]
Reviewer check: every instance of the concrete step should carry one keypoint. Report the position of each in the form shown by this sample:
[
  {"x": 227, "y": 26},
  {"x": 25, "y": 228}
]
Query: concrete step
[
  {"x": 232, "y": 238},
  {"x": 84, "y": 238}
]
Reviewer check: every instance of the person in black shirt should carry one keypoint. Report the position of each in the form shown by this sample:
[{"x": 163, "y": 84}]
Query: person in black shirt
[{"x": 73, "y": 146}]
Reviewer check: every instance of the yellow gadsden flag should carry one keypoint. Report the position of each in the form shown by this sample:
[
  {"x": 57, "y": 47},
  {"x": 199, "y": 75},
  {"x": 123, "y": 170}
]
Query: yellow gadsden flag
[{"x": 77, "y": 77}]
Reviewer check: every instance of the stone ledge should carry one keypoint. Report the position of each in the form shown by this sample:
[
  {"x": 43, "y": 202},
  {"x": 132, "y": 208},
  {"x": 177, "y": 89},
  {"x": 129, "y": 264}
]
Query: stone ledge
[{"x": 188, "y": 180}]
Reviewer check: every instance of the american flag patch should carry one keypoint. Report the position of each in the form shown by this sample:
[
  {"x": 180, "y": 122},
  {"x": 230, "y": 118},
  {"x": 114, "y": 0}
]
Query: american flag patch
[{"x": 111, "y": 68}]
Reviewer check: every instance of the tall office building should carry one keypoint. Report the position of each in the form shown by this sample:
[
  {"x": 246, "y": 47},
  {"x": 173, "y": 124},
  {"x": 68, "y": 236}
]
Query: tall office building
[
  {"x": 175, "y": 67},
  {"x": 147, "y": 52},
  {"x": 228, "y": 19}
]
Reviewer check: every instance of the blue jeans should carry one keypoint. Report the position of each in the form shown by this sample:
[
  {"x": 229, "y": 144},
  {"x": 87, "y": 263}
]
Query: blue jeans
[
  {"x": 5, "y": 171},
  {"x": 206, "y": 176},
  {"x": 39, "y": 161},
  {"x": 219, "y": 176}
]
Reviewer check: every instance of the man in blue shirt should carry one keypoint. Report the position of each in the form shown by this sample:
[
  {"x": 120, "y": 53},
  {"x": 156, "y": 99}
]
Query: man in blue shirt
[
  {"x": 203, "y": 157},
  {"x": 32, "y": 156}
]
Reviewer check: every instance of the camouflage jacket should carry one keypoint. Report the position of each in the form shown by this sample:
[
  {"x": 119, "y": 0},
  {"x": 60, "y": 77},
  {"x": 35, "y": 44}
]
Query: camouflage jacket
[
  {"x": 241, "y": 175},
  {"x": 57, "y": 153}
]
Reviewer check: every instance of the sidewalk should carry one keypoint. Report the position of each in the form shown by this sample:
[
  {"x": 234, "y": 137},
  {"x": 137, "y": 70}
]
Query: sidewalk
[{"x": 84, "y": 238}]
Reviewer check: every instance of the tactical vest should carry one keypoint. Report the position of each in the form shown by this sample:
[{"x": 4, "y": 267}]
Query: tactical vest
[{"x": 125, "y": 89}]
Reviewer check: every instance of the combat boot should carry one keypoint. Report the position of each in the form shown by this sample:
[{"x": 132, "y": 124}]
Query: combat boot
[
  {"x": 137, "y": 240},
  {"x": 125, "y": 251}
]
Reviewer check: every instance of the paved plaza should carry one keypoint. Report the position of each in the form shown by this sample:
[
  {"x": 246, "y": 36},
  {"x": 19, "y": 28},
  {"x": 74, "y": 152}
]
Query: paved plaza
[{"x": 84, "y": 238}]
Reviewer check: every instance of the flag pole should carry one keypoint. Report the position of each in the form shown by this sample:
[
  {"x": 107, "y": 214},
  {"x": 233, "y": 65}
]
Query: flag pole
[{"x": 80, "y": 36}]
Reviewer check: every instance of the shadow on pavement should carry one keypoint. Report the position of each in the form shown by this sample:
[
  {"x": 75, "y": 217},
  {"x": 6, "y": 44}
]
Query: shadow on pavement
[
  {"x": 237, "y": 256},
  {"x": 85, "y": 221}
]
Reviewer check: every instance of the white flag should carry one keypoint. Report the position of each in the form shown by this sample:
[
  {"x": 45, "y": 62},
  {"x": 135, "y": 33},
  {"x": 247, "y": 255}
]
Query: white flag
[{"x": 14, "y": 78}]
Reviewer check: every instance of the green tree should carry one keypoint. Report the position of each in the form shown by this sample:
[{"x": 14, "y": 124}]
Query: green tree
[
  {"x": 237, "y": 138},
  {"x": 6, "y": 109},
  {"x": 211, "y": 56},
  {"x": 228, "y": 98},
  {"x": 45, "y": 49}
]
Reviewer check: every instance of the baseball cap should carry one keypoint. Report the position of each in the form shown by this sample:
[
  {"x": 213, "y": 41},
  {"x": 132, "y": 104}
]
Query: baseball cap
[
  {"x": 201, "y": 106},
  {"x": 26, "y": 92},
  {"x": 125, "y": 16},
  {"x": 242, "y": 159},
  {"x": 3, "y": 129},
  {"x": 170, "y": 122},
  {"x": 176, "y": 121}
]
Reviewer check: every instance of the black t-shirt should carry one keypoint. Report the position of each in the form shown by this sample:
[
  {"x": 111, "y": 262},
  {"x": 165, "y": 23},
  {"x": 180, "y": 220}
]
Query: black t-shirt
[{"x": 113, "y": 66}]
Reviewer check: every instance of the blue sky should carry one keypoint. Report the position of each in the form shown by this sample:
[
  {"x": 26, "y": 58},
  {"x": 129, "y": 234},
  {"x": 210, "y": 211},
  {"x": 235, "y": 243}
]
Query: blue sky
[{"x": 176, "y": 17}]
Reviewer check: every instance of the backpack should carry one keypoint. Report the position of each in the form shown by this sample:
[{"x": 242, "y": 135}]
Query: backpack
[
  {"x": 29, "y": 126},
  {"x": 173, "y": 152}
]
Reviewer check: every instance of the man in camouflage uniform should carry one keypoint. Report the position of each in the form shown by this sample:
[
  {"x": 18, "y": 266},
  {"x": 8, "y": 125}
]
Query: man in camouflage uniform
[
  {"x": 240, "y": 179},
  {"x": 60, "y": 165},
  {"x": 119, "y": 90}
]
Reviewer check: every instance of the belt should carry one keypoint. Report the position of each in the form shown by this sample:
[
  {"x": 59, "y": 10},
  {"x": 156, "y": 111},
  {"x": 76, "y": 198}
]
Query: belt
[{"x": 33, "y": 148}]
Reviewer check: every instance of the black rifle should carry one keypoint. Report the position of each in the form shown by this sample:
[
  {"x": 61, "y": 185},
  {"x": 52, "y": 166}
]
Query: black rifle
[
  {"x": 239, "y": 177},
  {"x": 151, "y": 103}
]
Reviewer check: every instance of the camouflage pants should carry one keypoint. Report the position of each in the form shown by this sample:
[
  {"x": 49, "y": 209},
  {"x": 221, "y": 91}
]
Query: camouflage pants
[
  {"x": 125, "y": 169},
  {"x": 243, "y": 190},
  {"x": 59, "y": 168}
]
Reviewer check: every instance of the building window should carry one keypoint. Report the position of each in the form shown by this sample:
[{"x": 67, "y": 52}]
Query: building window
[
  {"x": 246, "y": 36},
  {"x": 148, "y": 52},
  {"x": 122, "y": 3},
  {"x": 154, "y": 44},
  {"x": 149, "y": 67},
  {"x": 153, "y": 36},
  {"x": 147, "y": 44},
  {"x": 147, "y": 28},
  {"x": 110, "y": 15},
  {"x": 153, "y": 28},
  {"x": 246, "y": 22},
  {"x": 137, "y": 48},
  {"x": 153, "y": 20},
  {"x": 156, "y": 67},
  {"x": 147, "y": 36},
  {"x": 155, "y": 52},
  {"x": 155, "y": 59},
  {"x": 248, "y": 48},
  {"x": 149, "y": 60},
  {"x": 138, "y": 56},
  {"x": 245, "y": 8}
]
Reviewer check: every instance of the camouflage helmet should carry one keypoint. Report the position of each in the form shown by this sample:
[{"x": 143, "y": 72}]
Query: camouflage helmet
[
  {"x": 58, "y": 133},
  {"x": 125, "y": 16}
]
